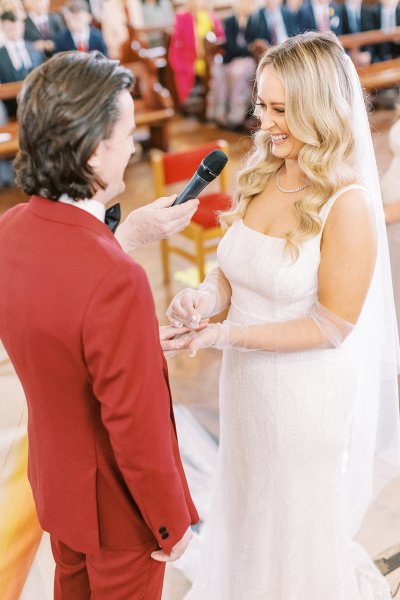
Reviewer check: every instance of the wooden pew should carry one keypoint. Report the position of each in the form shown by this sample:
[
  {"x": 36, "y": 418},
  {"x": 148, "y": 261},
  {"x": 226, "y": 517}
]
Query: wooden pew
[
  {"x": 354, "y": 41},
  {"x": 153, "y": 108},
  {"x": 380, "y": 75},
  {"x": 383, "y": 74},
  {"x": 9, "y": 140}
]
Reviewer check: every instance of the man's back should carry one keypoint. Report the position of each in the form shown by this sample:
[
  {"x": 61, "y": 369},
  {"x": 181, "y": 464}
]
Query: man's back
[{"x": 77, "y": 319}]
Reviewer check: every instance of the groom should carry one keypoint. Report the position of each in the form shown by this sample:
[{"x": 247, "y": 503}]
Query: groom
[{"x": 77, "y": 320}]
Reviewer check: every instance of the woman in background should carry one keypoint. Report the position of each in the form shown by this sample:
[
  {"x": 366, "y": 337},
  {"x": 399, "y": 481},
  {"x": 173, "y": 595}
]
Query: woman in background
[
  {"x": 232, "y": 79},
  {"x": 186, "y": 51}
]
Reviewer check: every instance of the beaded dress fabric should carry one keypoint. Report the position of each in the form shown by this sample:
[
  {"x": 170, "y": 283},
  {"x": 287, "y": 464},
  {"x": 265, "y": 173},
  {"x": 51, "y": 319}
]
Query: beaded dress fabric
[{"x": 277, "y": 528}]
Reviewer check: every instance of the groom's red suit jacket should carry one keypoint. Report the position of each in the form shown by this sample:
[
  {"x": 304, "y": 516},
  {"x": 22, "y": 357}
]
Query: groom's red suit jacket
[{"x": 77, "y": 319}]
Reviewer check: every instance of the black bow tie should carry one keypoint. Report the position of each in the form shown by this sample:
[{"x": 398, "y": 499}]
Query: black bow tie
[{"x": 113, "y": 217}]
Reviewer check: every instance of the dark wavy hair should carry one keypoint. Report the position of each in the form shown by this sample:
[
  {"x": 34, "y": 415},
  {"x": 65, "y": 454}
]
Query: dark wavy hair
[{"x": 66, "y": 107}]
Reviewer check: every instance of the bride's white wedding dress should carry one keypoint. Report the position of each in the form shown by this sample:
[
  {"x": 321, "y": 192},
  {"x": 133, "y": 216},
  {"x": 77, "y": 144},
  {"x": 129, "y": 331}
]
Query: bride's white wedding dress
[{"x": 277, "y": 528}]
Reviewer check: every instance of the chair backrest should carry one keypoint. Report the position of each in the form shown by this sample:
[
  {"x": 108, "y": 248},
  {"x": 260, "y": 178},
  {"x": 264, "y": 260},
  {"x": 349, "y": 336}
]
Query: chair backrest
[{"x": 172, "y": 167}]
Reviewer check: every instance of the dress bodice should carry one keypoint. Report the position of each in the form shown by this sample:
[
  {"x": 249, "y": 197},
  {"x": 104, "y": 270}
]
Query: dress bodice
[{"x": 267, "y": 283}]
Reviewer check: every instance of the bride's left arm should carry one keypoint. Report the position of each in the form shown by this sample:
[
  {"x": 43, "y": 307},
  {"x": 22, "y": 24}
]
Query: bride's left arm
[{"x": 348, "y": 254}]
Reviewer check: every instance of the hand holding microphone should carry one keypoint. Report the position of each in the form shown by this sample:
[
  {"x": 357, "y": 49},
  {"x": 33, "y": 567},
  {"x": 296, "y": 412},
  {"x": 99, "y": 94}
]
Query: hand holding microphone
[
  {"x": 209, "y": 168},
  {"x": 166, "y": 216}
]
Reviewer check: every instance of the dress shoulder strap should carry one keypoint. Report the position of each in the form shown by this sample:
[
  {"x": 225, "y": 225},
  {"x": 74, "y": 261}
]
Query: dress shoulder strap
[{"x": 325, "y": 210}]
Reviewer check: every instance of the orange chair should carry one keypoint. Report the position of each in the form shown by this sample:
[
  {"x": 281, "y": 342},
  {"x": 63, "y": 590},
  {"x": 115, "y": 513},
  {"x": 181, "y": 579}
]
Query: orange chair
[{"x": 172, "y": 167}]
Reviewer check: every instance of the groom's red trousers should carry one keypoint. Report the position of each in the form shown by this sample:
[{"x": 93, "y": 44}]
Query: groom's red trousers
[{"x": 128, "y": 574}]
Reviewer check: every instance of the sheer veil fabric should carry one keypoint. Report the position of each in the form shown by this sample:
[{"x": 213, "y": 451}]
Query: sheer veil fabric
[{"x": 372, "y": 458}]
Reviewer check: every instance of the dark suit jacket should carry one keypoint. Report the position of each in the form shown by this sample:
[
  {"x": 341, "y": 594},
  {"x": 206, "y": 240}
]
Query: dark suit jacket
[
  {"x": 64, "y": 41},
  {"x": 306, "y": 19},
  {"x": 32, "y": 33},
  {"x": 77, "y": 320},
  {"x": 388, "y": 50},
  {"x": 258, "y": 26},
  {"x": 8, "y": 73},
  {"x": 366, "y": 20},
  {"x": 232, "y": 48}
]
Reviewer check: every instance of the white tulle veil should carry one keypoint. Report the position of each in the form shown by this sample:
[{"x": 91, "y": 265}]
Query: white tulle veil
[{"x": 372, "y": 457}]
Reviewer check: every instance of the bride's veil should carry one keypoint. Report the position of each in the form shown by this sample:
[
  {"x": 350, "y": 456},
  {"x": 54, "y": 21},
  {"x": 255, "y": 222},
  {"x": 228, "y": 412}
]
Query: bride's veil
[{"x": 373, "y": 453}]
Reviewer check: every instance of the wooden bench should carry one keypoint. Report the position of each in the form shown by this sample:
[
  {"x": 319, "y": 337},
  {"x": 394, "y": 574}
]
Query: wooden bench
[
  {"x": 380, "y": 75},
  {"x": 355, "y": 41},
  {"x": 383, "y": 74},
  {"x": 153, "y": 109}
]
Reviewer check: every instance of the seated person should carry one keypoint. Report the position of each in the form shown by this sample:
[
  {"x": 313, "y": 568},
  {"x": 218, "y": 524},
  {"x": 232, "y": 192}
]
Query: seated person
[
  {"x": 17, "y": 57},
  {"x": 42, "y": 26},
  {"x": 357, "y": 17},
  {"x": 186, "y": 51},
  {"x": 79, "y": 35},
  {"x": 272, "y": 24},
  {"x": 232, "y": 79},
  {"x": 320, "y": 15},
  {"x": 386, "y": 16}
]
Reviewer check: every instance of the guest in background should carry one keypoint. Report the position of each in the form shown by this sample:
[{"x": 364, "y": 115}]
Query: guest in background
[
  {"x": 294, "y": 6},
  {"x": 270, "y": 25},
  {"x": 17, "y": 57},
  {"x": 42, "y": 26},
  {"x": 79, "y": 35},
  {"x": 117, "y": 16},
  {"x": 320, "y": 15},
  {"x": 390, "y": 186},
  {"x": 157, "y": 13},
  {"x": 186, "y": 51},
  {"x": 357, "y": 17},
  {"x": 232, "y": 79},
  {"x": 6, "y": 180},
  {"x": 386, "y": 16}
]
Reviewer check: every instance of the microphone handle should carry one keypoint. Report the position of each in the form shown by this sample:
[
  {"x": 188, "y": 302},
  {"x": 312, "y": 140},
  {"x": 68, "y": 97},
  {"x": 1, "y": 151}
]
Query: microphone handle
[{"x": 195, "y": 186}]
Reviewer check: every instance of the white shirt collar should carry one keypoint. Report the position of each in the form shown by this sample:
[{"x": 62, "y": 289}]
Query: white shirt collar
[{"x": 93, "y": 207}]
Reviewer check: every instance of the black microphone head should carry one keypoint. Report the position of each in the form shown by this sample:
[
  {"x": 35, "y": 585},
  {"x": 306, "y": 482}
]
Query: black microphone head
[{"x": 212, "y": 165}]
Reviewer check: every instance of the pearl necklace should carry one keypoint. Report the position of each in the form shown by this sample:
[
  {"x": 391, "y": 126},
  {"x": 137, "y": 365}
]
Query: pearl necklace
[{"x": 284, "y": 190}]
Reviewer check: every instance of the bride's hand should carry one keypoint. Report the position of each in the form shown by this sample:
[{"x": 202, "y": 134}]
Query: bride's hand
[
  {"x": 189, "y": 308},
  {"x": 206, "y": 338}
]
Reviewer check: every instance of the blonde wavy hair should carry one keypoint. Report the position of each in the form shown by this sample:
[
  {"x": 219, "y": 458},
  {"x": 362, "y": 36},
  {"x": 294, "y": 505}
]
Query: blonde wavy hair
[{"x": 314, "y": 70}]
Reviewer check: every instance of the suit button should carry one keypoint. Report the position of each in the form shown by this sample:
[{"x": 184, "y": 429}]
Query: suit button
[
  {"x": 162, "y": 530},
  {"x": 165, "y": 536}
]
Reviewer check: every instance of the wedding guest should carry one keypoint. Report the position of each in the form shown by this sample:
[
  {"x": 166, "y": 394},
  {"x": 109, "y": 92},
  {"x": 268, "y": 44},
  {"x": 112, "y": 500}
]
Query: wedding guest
[
  {"x": 386, "y": 16},
  {"x": 186, "y": 51},
  {"x": 17, "y": 57},
  {"x": 117, "y": 17},
  {"x": 79, "y": 34},
  {"x": 270, "y": 25},
  {"x": 232, "y": 80},
  {"x": 320, "y": 15},
  {"x": 42, "y": 26},
  {"x": 357, "y": 17}
]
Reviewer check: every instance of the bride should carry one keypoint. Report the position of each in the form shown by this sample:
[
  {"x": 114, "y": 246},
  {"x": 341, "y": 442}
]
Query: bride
[{"x": 308, "y": 389}]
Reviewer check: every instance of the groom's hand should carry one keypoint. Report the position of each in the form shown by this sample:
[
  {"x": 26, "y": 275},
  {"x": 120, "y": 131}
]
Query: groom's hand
[
  {"x": 176, "y": 551},
  {"x": 174, "y": 340}
]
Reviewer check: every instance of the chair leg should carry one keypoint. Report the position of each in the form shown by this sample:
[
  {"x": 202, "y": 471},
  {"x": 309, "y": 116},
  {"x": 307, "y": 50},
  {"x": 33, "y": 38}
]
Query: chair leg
[
  {"x": 165, "y": 260},
  {"x": 200, "y": 257}
]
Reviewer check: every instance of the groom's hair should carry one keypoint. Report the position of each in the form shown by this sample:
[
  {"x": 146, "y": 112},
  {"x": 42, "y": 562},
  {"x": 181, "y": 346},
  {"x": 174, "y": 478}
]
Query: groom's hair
[{"x": 66, "y": 107}]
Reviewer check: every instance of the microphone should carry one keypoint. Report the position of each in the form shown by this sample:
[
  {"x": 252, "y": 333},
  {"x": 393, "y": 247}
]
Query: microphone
[{"x": 209, "y": 168}]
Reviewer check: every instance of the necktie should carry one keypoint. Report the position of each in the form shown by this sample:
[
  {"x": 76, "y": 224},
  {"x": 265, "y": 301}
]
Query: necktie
[
  {"x": 113, "y": 217},
  {"x": 44, "y": 29},
  {"x": 82, "y": 47}
]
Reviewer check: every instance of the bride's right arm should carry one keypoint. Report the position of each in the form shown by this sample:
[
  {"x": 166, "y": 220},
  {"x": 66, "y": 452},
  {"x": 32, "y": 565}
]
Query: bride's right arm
[{"x": 190, "y": 307}]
